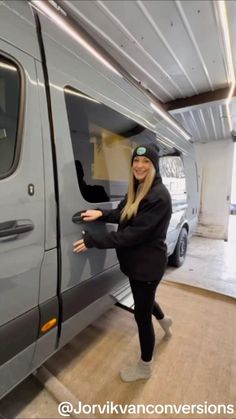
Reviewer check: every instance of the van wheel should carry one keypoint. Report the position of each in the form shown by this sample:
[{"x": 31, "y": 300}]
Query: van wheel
[{"x": 177, "y": 258}]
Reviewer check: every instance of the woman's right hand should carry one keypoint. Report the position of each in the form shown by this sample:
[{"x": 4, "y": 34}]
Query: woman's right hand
[{"x": 91, "y": 215}]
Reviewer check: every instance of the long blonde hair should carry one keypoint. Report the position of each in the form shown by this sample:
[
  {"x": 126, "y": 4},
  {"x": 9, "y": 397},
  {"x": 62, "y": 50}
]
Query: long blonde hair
[{"x": 135, "y": 196}]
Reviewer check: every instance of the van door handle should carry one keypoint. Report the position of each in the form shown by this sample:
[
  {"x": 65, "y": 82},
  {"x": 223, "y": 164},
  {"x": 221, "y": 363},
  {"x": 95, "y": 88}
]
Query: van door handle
[
  {"x": 12, "y": 228},
  {"x": 77, "y": 219}
]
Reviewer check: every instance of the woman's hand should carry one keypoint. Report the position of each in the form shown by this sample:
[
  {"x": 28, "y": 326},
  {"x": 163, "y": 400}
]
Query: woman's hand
[
  {"x": 91, "y": 215},
  {"x": 79, "y": 246}
]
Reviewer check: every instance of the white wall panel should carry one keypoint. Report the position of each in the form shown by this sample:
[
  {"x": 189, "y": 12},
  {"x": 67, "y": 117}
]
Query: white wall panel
[{"x": 215, "y": 165}]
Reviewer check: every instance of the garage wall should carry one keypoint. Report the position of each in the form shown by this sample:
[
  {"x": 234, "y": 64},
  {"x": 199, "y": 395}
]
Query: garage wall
[{"x": 215, "y": 165}]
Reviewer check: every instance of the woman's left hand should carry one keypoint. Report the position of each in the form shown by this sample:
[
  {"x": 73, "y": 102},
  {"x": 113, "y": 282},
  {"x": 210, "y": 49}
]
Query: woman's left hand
[{"x": 79, "y": 246}]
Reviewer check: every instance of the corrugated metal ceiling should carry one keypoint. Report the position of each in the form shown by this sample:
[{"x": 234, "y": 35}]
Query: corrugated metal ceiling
[{"x": 175, "y": 49}]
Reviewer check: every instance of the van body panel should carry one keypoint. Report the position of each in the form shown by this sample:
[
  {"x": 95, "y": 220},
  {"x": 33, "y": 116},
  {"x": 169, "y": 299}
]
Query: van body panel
[
  {"x": 45, "y": 347},
  {"x": 15, "y": 370},
  {"x": 21, "y": 255},
  {"x": 173, "y": 173},
  {"x": 50, "y": 203},
  {"x": 48, "y": 276},
  {"x": 17, "y": 19},
  {"x": 192, "y": 189}
]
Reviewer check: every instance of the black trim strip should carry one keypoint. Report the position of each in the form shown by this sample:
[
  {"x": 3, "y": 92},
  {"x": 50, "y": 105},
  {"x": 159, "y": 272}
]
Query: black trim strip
[
  {"x": 54, "y": 161},
  {"x": 21, "y": 110},
  {"x": 21, "y": 332},
  {"x": 18, "y": 334},
  {"x": 80, "y": 296}
]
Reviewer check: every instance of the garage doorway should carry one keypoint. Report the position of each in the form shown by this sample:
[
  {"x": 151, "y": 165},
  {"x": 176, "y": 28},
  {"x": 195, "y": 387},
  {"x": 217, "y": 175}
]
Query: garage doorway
[{"x": 232, "y": 215}]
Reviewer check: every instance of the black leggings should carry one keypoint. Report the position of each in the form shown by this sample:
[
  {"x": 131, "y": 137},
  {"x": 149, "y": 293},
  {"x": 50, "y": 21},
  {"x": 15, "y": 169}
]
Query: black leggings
[{"x": 144, "y": 306}]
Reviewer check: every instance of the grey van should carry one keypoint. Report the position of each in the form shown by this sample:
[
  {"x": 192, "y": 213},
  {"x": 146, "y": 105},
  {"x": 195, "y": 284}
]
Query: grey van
[{"x": 68, "y": 125}]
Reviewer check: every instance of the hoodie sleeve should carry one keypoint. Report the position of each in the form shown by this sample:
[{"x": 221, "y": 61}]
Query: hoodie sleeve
[{"x": 136, "y": 232}]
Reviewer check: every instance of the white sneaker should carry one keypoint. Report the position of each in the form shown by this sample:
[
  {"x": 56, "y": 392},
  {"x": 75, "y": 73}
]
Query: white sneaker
[
  {"x": 141, "y": 371},
  {"x": 166, "y": 324}
]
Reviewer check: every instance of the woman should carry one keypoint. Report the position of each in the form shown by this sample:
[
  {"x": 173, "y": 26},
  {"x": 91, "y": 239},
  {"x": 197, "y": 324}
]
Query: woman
[{"x": 143, "y": 217}]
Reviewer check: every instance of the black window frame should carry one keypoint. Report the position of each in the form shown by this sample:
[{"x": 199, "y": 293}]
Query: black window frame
[{"x": 21, "y": 110}]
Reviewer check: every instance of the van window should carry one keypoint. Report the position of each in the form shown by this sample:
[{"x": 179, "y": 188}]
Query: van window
[
  {"x": 102, "y": 141},
  {"x": 173, "y": 176},
  {"x": 9, "y": 111}
]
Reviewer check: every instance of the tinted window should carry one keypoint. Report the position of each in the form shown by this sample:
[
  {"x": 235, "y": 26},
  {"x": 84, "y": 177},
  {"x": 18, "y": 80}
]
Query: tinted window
[
  {"x": 102, "y": 141},
  {"x": 9, "y": 111}
]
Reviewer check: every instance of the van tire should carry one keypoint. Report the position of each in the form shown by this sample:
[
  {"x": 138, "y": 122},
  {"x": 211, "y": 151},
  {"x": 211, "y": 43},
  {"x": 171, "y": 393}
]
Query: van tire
[{"x": 178, "y": 257}]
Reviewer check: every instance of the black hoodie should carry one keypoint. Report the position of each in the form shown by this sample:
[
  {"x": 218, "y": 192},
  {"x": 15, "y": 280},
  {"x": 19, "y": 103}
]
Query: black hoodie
[{"x": 140, "y": 241}]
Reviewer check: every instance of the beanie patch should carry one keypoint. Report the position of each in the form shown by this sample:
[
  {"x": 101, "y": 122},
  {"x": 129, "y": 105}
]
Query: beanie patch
[{"x": 141, "y": 151}]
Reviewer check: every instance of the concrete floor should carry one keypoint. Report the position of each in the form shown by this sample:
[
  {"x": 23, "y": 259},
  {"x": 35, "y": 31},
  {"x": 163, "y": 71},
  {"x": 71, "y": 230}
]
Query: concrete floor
[
  {"x": 209, "y": 264},
  {"x": 28, "y": 400}
]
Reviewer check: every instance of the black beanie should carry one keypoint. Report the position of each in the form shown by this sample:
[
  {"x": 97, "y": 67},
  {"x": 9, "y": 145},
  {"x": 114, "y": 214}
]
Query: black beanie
[{"x": 151, "y": 151}]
